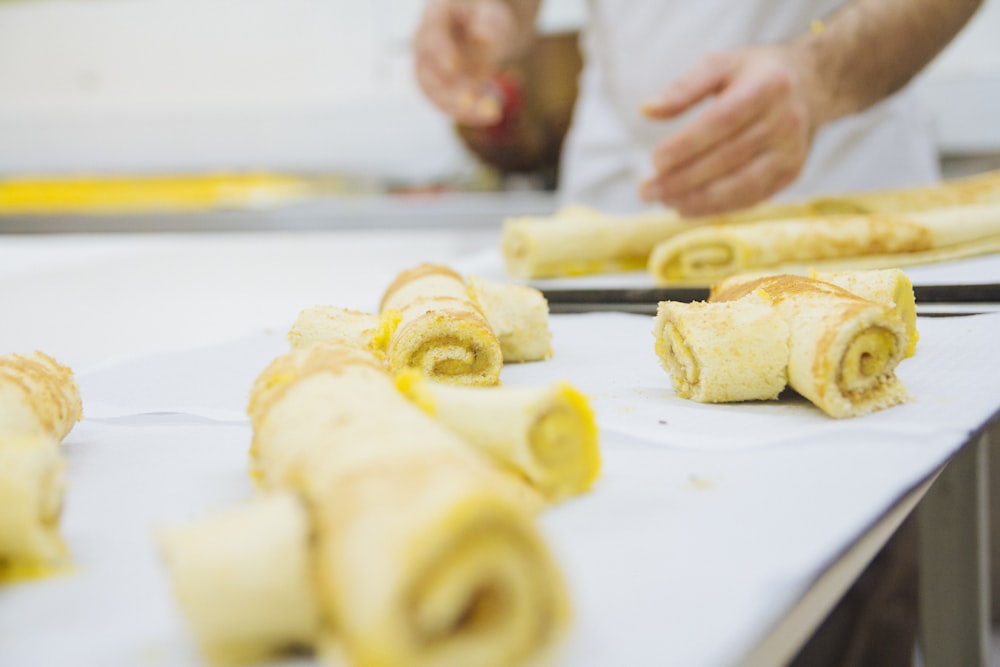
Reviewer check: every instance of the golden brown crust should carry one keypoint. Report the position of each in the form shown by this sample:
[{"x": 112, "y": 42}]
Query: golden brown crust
[
  {"x": 415, "y": 273},
  {"x": 442, "y": 330},
  {"x": 976, "y": 189},
  {"x": 284, "y": 371},
  {"x": 780, "y": 287},
  {"x": 48, "y": 387},
  {"x": 844, "y": 348}
]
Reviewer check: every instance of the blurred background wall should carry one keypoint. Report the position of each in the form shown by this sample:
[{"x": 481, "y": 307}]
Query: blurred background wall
[{"x": 305, "y": 85}]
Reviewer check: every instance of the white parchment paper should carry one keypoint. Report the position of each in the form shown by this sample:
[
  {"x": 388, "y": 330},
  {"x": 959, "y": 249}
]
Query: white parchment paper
[{"x": 707, "y": 525}]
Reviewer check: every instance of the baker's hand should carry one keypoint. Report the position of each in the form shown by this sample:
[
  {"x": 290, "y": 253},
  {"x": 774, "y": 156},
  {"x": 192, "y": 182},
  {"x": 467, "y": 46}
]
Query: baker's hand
[
  {"x": 750, "y": 140},
  {"x": 458, "y": 47}
]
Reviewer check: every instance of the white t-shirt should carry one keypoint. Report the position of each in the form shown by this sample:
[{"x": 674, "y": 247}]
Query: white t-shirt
[{"x": 633, "y": 48}]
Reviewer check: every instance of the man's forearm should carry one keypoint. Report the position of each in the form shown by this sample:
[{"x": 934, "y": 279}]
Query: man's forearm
[{"x": 869, "y": 49}]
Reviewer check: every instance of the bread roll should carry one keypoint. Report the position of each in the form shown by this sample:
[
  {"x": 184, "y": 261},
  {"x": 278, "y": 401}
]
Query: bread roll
[
  {"x": 282, "y": 447},
  {"x": 426, "y": 554},
  {"x": 330, "y": 323},
  {"x": 32, "y": 486},
  {"x": 519, "y": 316},
  {"x": 722, "y": 352},
  {"x": 546, "y": 435},
  {"x": 975, "y": 189},
  {"x": 712, "y": 252},
  {"x": 441, "y": 331},
  {"x": 422, "y": 562},
  {"x": 244, "y": 579},
  {"x": 843, "y": 349},
  {"x": 578, "y": 241},
  {"x": 890, "y": 287},
  {"x": 37, "y": 395}
]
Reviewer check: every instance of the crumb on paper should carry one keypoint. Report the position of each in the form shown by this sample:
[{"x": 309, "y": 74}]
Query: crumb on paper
[{"x": 700, "y": 483}]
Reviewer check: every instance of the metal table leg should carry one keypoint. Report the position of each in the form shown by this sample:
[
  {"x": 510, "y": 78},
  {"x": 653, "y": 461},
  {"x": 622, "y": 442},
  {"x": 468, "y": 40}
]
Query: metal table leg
[{"x": 954, "y": 562}]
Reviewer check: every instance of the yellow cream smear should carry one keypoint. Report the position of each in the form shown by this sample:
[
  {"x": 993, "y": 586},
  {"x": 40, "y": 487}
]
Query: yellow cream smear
[
  {"x": 15, "y": 573},
  {"x": 487, "y": 597},
  {"x": 413, "y": 385},
  {"x": 764, "y": 294},
  {"x": 586, "y": 267},
  {"x": 387, "y": 324},
  {"x": 564, "y": 443}
]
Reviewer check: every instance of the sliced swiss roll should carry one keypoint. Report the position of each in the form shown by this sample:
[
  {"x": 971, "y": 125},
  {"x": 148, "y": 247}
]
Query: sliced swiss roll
[
  {"x": 32, "y": 487},
  {"x": 546, "y": 435},
  {"x": 441, "y": 331},
  {"x": 839, "y": 242},
  {"x": 330, "y": 323},
  {"x": 298, "y": 400},
  {"x": 722, "y": 352},
  {"x": 519, "y": 316},
  {"x": 426, "y": 553},
  {"x": 579, "y": 240},
  {"x": 843, "y": 349},
  {"x": 889, "y": 287},
  {"x": 423, "y": 561},
  {"x": 244, "y": 579},
  {"x": 37, "y": 395},
  {"x": 323, "y": 400}
]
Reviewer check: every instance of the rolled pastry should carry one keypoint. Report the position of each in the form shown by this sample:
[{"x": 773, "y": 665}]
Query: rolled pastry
[
  {"x": 425, "y": 555},
  {"x": 330, "y": 323},
  {"x": 32, "y": 485},
  {"x": 889, "y": 287},
  {"x": 976, "y": 189},
  {"x": 244, "y": 580},
  {"x": 712, "y": 252},
  {"x": 425, "y": 280},
  {"x": 547, "y": 435},
  {"x": 843, "y": 349},
  {"x": 322, "y": 400},
  {"x": 579, "y": 240},
  {"x": 519, "y": 316},
  {"x": 441, "y": 331},
  {"x": 721, "y": 352},
  {"x": 281, "y": 448},
  {"x": 37, "y": 395},
  {"x": 422, "y": 562}
]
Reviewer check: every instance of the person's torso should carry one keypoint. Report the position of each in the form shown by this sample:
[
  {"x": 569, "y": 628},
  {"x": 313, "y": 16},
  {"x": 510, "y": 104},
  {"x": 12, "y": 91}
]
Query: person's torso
[{"x": 634, "y": 48}]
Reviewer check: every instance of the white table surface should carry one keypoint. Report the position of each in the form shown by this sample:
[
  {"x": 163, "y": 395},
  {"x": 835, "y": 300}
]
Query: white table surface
[{"x": 694, "y": 544}]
